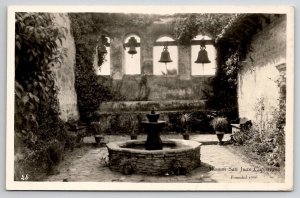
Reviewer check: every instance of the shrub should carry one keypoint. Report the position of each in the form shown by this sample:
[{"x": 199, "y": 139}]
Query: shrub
[
  {"x": 220, "y": 124},
  {"x": 269, "y": 145},
  {"x": 185, "y": 119}
]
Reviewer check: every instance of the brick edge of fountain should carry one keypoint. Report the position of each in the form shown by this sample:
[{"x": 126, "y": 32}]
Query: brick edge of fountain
[{"x": 154, "y": 162}]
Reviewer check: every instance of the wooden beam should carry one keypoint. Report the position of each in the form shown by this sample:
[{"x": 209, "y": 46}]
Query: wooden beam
[{"x": 175, "y": 43}]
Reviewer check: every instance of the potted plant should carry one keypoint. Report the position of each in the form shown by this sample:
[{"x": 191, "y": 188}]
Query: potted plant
[
  {"x": 185, "y": 120},
  {"x": 98, "y": 138},
  {"x": 96, "y": 127},
  {"x": 220, "y": 125},
  {"x": 133, "y": 135}
]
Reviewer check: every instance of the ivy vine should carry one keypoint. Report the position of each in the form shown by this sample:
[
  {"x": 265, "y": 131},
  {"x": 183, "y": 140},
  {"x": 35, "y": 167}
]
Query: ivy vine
[
  {"x": 88, "y": 30},
  {"x": 37, "y": 123},
  {"x": 188, "y": 26}
]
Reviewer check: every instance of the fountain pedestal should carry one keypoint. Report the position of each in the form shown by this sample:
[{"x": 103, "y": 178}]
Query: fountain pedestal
[{"x": 153, "y": 130}]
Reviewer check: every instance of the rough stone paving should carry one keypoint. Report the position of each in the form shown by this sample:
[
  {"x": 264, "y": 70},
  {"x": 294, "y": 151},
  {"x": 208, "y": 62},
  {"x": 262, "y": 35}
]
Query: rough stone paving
[{"x": 218, "y": 164}]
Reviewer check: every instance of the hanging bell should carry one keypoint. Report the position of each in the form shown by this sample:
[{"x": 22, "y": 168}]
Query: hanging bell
[
  {"x": 132, "y": 44},
  {"x": 132, "y": 50},
  {"x": 202, "y": 56},
  {"x": 165, "y": 56}
]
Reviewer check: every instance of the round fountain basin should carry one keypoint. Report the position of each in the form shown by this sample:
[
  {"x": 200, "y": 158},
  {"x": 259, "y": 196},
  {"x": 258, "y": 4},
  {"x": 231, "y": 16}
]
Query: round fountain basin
[{"x": 132, "y": 155}]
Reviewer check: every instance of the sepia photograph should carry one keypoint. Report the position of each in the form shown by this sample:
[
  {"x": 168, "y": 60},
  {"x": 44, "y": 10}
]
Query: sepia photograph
[{"x": 169, "y": 98}]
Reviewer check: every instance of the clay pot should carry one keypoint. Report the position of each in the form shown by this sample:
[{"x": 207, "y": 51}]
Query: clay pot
[
  {"x": 98, "y": 138},
  {"x": 220, "y": 136},
  {"x": 133, "y": 136},
  {"x": 186, "y": 136}
]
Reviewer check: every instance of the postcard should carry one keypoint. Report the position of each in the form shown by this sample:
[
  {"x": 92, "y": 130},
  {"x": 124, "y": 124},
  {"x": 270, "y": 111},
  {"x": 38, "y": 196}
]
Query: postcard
[{"x": 150, "y": 98}]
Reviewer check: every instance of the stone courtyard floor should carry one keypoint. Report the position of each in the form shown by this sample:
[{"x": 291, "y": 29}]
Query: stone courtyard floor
[{"x": 220, "y": 164}]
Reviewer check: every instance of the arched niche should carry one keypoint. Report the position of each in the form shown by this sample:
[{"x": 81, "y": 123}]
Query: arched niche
[
  {"x": 132, "y": 62},
  {"x": 162, "y": 68},
  {"x": 207, "y": 69}
]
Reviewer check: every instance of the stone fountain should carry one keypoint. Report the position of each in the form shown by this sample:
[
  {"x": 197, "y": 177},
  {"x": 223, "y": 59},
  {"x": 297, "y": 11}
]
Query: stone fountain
[
  {"x": 153, "y": 156},
  {"x": 153, "y": 127}
]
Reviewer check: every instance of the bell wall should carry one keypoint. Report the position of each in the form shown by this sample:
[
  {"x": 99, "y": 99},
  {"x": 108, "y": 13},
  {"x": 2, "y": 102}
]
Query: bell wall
[{"x": 182, "y": 86}]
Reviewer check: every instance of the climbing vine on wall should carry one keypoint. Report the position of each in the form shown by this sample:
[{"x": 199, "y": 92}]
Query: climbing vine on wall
[
  {"x": 37, "y": 124},
  {"x": 188, "y": 26},
  {"x": 87, "y": 30},
  {"x": 232, "y": 44},
  {"x": 89, "y": 92},
  {"x": 265, "y": 138},
  {"x": 232, "y": 34}
]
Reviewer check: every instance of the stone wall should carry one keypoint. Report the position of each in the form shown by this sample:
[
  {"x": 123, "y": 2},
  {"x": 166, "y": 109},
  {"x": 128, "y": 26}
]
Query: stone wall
[
  {"x": 64, "y": 73},
  {"x": 157, "y": 88},
  {"x": 258, "y": 91},
  {"x": 153, "y": 162}
]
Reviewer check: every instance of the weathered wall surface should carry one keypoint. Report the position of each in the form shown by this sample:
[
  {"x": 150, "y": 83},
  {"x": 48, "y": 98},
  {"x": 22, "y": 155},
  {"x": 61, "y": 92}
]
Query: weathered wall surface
[
  {"x": 64, "y": 74},
  {"x": 155, "y": 88},
  {"x": 258, "y": 92}
]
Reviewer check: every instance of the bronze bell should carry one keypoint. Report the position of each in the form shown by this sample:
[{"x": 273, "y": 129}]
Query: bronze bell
[
  {"x": 132, "y": 50},
  {"x": 132, "y": 44},
  {"x": 165, "y": 56},
  {"x": 202, "y": 56}
]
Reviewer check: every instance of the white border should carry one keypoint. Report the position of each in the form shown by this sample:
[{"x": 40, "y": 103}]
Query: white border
[{"x": 112, "y": 186}]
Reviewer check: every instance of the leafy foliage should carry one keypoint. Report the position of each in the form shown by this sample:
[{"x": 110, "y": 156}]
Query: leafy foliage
[
  {"x": 188, "y": 26},
  {"x": 88, "y": 30},
  {"x": 36, "y": 44},
  {"x": 232, "y": 43},
  {"x": 220, "y": 124},
  {"x": 89, "y": 91},
  {"x": 185, "y": 119},
  {"x": 88, "y": 27},
  {"x": 268, "y": 143},
  {"x": 37, "y": 122}
]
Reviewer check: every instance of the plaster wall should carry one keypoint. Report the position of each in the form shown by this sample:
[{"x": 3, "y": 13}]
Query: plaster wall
[
  {"x": 160, "y": 88},
  {"x": 64, "y": 73},
  {"x": 258, "y": 91}
]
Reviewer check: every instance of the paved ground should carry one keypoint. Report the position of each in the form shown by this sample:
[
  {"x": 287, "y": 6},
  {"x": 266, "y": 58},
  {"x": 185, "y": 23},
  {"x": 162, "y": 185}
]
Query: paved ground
[{"x": 219, "y": 164}]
